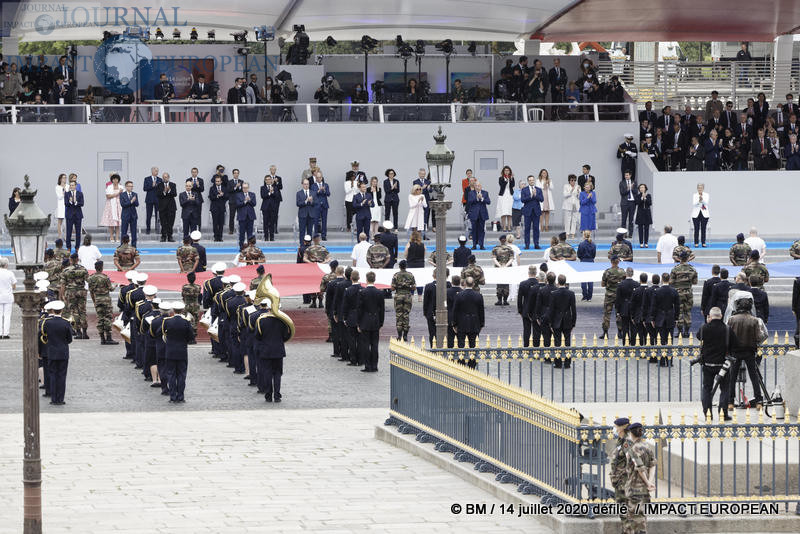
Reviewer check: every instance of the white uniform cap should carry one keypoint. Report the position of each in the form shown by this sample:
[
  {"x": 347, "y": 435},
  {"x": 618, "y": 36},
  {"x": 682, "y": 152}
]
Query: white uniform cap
[
  {"x": 150, "y": 290},
  {"x": 388, "y": 225},
  {"x": 42, "y": 285},
  {"x": 239, "y": 287},
  {"x": 306, "y": 237},
  {"x": 648, "y": 135},
  {"x": 177, "y": 305},
  {"x": 196, "y": 235},
  {"x": 225, "y": 279},
  {"x": 267, "y": 303},
  {"x": 629, "y": 136},
  {"x": 622, "y": 230},
  {"x": 57, "y": 305},
  {"x": 218, "y": 267},
  {"x": 234, "y": 279},
  {"x": 462, "y": 238},
  {"x": 157, "y": 301},
  {"x": 141, "y": 277},
  {"x": 131, "y": 275},
  {"x": 41, "y": 275},
  {"x": 252, "y": 294},
  {"x": 164, "y": 305},
  {"x": 47, "y": 305}
]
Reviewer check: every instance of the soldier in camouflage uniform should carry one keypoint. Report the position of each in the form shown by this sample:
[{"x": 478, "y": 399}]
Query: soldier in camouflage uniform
[
  {"x": 323, "y": 288},
  {"x": 126, "y": 257},
  {"x": 563, "y": 251},
  {"x": 187, "y": 255},
  {"x": 473, "y": 270},
  {"x": 432, "y": 259},
  {"x": 621, "y": 249},
  {"x": 190, "y": 293},
  {"x": 403, "y": 285},
  {"x": 53, "y": 267},
  {"x": 316, "y": 253},
  {"x": 60, "y": 252},
  {"x": 611, "y": 279},
  {"x": 740, "y": 251},
  {"x": 73, "y": 283},
  {"x": 619, "y": 461},
  {"x": 253, "y": 255},
  {"x": 794, "y": 250},
  {"x": 502, "y": 257},
  {"x": 255, "y": 282},
  {"x": 378, "y": 256},
  {"x": 754, "y": 267},
  {"x": 641, "y": 469},
  {"x": 680, "y": 249},
  {"x": 682, "y": 278},
  {"x": 100, "y": 288}
]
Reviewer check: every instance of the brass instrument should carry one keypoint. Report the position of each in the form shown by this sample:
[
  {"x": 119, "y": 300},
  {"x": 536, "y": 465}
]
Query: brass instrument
[{"x": 267, "y": 291}]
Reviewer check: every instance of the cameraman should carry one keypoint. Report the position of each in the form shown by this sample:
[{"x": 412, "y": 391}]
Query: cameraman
[
  {"x": 359, "y": 96},
  {"x": 749, "y": 332},
  {"x": 717, "y": 339},
  {"x": 461, "y": 98},
  {"x": 328, "y": 93}
]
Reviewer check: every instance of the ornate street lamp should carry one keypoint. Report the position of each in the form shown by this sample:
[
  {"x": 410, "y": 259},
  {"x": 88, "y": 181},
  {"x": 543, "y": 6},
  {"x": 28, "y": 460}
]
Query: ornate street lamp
[
  {"x": 440, "y": 169},
  {"x": 28, "y": 228}
]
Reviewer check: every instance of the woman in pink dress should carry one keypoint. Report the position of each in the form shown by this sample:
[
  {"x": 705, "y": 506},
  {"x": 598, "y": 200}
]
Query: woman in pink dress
[{"x": 112, "y": 211}]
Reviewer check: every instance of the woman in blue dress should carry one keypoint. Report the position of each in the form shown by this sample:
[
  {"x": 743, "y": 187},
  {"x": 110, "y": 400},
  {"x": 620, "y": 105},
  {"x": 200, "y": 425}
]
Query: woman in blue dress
[{"x": 588, "y": 209}]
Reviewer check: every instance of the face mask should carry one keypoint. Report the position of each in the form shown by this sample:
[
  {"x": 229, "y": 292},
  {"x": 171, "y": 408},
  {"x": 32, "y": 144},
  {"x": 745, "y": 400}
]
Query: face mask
[{"x": 585, "y": 65}]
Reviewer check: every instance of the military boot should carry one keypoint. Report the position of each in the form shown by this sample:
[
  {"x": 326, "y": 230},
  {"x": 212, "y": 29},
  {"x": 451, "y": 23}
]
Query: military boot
[
  {"x": 604, "y": 334},
  {"x": 85, "y": 335},
  {"x": 110, "y": 340},
  {"x": 686, "y": 330},
  {"x": 399, "y": 334},
  {"x": 405, "y": 335}
]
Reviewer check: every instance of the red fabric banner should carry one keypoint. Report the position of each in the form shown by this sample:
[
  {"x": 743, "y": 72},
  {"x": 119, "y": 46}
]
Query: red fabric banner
[{"x": 289, "y": 278}]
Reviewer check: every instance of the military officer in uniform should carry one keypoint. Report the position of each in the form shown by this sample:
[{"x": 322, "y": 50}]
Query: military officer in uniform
[
  {"x": 211, "y": 287},
  {"x": 252, "y": 254},
  {"x": 563, "y": 251},
  {"x": 462, "y": 253},
  {"x": 680, "y": 249},
  {"x": 56, "y": 334},
  {"x": 794, "y": 250},
  {"x": 611, "y": 279},
  {"x": 755, "y": 267},
  {"x": 330, "y": 297},
  {"x": 231, "y": 307},
  {"x": 389, "y": 240},
  {"x": 739, "y": 252},
  {"x": 151, "y": 345},
  {"x": 502, "y": 257},
  {"x": 683, "y": 277},
  {"x": 100, "y": 288},
  {"x": 126, "y": 257},
  {"x": 271, "y": 336},
  {"x": 468, "y": 314},
  {"x": 73, "y": 282},
  {"x": 255, "y": 282},
  {"x": 474, "y": 271},
  {"x": 52, "y": 266},
  {"x": 177, "y": 334},
  {"x": 155, "y": 332},
  {"x": 187, "y": 255},
  {"x": 640, "y": 479},
  {"x": 619, "y": 460},
  {"x": 201, "y": 251},
  {"x": 190, "y": 293},
  {"x": 122, "y": 306},
  {"x": 625, "y": 291},
  {"x": 403, "y": 285},
  {"x": 316, "y": 253},
  {"x": 132, "y": 298},
  {"x": 627, "y": 153},
  {"x": 370, "y": 315},
  {"x": 378, "y": 256},
  {"x": 621, "y": 249},
  {"x": 142, "y": 327}
]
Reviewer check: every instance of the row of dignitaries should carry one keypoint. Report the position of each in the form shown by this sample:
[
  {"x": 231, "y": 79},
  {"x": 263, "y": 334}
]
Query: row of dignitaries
[{"x": 250, "y": 339}]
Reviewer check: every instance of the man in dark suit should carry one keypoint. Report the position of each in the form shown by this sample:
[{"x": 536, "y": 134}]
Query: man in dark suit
[
  {"x": 166, "y": 206},
  {"x": 627, "y": 192},
  {"x": 542, "y": 310},
  {"x": 625, "y": 291},
  {"x": 525, "y": 292},
  {"x": 468, "y": 316},
  {"x": 370, "y": 312},
  {"x": 129, "y": 201},
  {"x": 199, "y": 90},
  {"x": 245, "y": 213},
  {"x": 453, "y": 290},
  {"x": 695, "y": 155},
  {"x": 563, "y": 315},
  {"x": 389, "y": 240},
  {"x": 73, "y": 213},
  {"x": 190, "y": 208},
  {"x": 277, "y": 183},
  {"x": 217, "y": 195},
  {"x": 675, "y": 143},
  {"x": 665, "y": 121},
  {"x": 729, "y": 116},
  {"x": 236, "y": 94},
  {"x": 271, "y": 336},
  {"x": 761, "y": 148},
  {"x": 719, "y": 293},
  {"x": 330, "y": 297},
  {"x": 349, "y": 314},
  {"x": 151, "y": 197},
  {"x": 270, "y": 201},
  {"x": 198, "y": 186},
  {"x": 391, "y": 196},
  {"x": 647, "y": 319},
  {"x": 708, "y": 290},
  {"x": 429, "y": 308},
  {"x": 478, "y": 214},
  {"x": 531, "y": 198},
  {"x": 689, "y": 120},
  {"x": 58, "y": 335},
  {"x": 305, "y": 199},
  {"x": 164, "y": 90},
  {"x": 322, "y": 191},
  {"x": 234, "y": 188},
  {"x": 648, "y": 114},
  {"x": 558, "y": 86},
  {"x": 178, "y": 334},
  {"x": 796, "y": 310},
  {"x": 362, "y": 202},
  {"x": 636, "y": 312},
  {"x": 339, "y": 314},
  {"x": 65, "y": 71},
  {"x": 664, "y": 310},
  {"x": 760, "y": 298}
]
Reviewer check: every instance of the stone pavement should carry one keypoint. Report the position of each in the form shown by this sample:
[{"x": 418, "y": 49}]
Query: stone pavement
[{"x": 235, "y": 471}]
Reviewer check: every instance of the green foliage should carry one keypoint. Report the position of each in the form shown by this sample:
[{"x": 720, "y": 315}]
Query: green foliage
[
  {"x": 565, "y": 46},
  {"x": 55, "y": 48},
  {"x": 696, "y": 50}
]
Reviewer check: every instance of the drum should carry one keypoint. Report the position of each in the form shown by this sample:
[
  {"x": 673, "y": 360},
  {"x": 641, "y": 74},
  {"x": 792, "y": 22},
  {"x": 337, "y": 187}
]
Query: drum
[
  {"x": 213, "y": 331},
  {"x": 125, "y": 333},
  {"x": 205, "y": 320},
  {"x": 118, "y": 323}
]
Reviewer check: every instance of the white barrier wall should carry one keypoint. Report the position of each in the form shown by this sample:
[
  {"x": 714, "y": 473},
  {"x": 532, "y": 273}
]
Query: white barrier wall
[
  {"x": 43, "y": 151},
  {"x": 737, "y": 201}
]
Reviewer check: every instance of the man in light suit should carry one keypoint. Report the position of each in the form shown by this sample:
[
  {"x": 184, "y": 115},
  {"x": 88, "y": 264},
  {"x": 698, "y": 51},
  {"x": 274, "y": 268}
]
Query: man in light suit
[
  {"x": 129, "y": 201},
  {"x": 190, "y": 208},
  {"x": 370, "y": 313},
  {"x": 531, "y": 198},
  {"x": 323, "y": 192},
  {"x": 627, "y": 191},
  {"x": 478, "y": 214},
  {"x": 245, "y": 213},
  {"x": 305, "y": 199},
  {"x": 151, "y": 197},
  {"x": 73, "y": 213}
]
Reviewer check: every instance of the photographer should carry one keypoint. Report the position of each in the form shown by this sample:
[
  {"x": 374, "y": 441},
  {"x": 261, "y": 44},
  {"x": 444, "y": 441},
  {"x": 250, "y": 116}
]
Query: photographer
[
  {"x": 461, "y": 98},
  {"x": 717, "y": 340},
  {"x": 359, "y": 96},
  {"x": 328, "y": 93},
  {"x": 749, "y": 331}
]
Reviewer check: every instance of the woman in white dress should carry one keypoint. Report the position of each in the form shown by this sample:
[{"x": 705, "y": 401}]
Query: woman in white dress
[
  {"x": 505, "y": 199},
  {"x": 376, "y": 211},
  {"x": 416, "y": 209},
  {"x": 8, "y": 283},
  {"x": 61, "y": 186},
  {"x": 570, "y": 205},
  {"x": 112, "y": 212},
  {"x": 544, "y": 183}
]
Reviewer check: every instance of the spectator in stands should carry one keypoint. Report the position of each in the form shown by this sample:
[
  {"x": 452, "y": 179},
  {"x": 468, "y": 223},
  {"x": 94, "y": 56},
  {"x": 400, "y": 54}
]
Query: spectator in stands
[
  {"x": 675, "y": 147},
  {"x": 760, "y": 150},
  {"x": 61, "y": 94},
  {"x": 648, "y": 114},
  {"x": 163, "y": 90},
  {"x": 665, "y": 120},
  {"x": 729, "y": 151},
  {"x": 712, "y": 148},
  {"x": 743, "y": 57},
  {"x": 715, "y": 121},
  {"x": 779, "y": 119},
  {"x": 652, "y": 151},
  {"x": 792, "y": 127},
  {"x": 728, "y": 115},
  {"x": 761, "y": 111},
  {"x": 11, "y": 86},
  {"x": 792, "y": 154},
  {"x": 715, "y": 104},
  {"x": 695, "y": 155},
  {"x": 774, "y": 156},
  {"x": 573, "y": 95},
  {"x": 645, "y": 129},
  {"x": 689, "y": 120},
  {"x": 536, "y": 87}
]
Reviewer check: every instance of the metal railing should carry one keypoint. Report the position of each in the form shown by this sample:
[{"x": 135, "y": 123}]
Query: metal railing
[
  {"x": 683, "y": 82},
  {"x": 189, "y": 112},
  {"x": 506, "y": 431}
]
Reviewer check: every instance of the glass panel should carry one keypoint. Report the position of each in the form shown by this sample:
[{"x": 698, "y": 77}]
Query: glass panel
[
  {"x": 488, "y": 164},
  {"x": 193, "y": 113},
  {"x": 112, "y": 165},
  {"x": 68, "y": 113},
  {"x": 291, "y": 112},
  {"x": 25, "y": 249},
  {"x": 119, "y": 113},
  {"x": 416, "y": 112}
]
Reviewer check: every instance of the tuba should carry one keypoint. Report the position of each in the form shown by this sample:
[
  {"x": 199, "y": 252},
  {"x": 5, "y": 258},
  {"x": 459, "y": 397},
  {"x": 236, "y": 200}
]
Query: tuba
[{"x": 267, "y": 291}]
